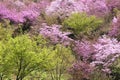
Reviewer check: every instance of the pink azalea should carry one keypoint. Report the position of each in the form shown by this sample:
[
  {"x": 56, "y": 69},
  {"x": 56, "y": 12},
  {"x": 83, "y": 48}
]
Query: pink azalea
[{"x": 54, "y": 34}]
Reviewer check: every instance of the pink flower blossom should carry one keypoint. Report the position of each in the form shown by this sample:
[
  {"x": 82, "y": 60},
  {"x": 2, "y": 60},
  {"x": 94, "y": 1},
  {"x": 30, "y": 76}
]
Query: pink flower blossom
[
  {"x": 83, "y": 49},
  {"x": 19, "y": 14},
  {"x": 115, "y": 27},
  {"x": 67, "y": 7},
  {"x": 107, "y": 50},
  {"x": 55, "y": 35},
  {"x": 64, "y": 8}
]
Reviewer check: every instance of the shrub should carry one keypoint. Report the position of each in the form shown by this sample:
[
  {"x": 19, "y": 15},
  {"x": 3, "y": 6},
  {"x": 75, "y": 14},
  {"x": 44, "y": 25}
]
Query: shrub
[
  {"x": 80, "y": 70},
  {"x": 82, "y": 23},
  {"x": 55, "y": 35},
  {"x": 99, "y": 75},
  {"x": 5, "y": 30},
  {"x": 115, "y": 70}
]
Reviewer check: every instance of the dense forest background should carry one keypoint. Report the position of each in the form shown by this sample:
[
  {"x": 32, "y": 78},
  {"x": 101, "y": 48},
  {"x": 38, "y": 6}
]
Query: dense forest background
[{"x": 59, "y": 39}]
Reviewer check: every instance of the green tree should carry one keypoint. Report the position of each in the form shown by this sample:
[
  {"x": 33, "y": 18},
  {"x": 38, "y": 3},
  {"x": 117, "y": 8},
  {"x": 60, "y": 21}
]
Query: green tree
[
  {"x": 81, "y": 23},
  {"x": 20, "y": 56},
  {"x": 62, "y": 60}
]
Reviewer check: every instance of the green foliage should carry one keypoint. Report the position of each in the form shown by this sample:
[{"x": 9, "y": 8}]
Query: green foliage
[
  {"x": 37, "y": 75},
  {"x": 5, "y": 30},
  {"x": 62, "y": 59},
  {"x": 51, "y": 19},
  {"x": 20, "y": 56},
  {"x": 99, "y": 75},
  {"x": 40, "y": 40},
  {"x": 82, "y": 23},
  {"x": 116, "y": 70},
  {"x": 56, "y": 69}
]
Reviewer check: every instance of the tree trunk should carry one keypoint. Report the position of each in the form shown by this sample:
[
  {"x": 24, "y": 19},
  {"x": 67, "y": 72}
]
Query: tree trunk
[
  {"x": 19, "y": 78},
  {"x": 1, "y": 78}
]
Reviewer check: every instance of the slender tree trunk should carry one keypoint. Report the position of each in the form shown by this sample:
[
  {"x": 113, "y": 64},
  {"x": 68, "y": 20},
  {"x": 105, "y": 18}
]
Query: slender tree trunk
[
  {"x": 21, "y": 78},
  {"x": 1, "y": 78},
  {"x": 17, "y": 78}
]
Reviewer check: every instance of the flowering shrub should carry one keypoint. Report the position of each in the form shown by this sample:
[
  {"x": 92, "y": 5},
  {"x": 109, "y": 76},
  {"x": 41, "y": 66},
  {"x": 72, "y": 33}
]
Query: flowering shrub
[
  {"x": 55, "y": 35},
  {"x": 63, "y": 8},
  {"x": 80, "y": 71},
  {"x": 97, "y": 7},
  {"x": 83, "y": 49},
  {"x": 84, "y": 71},
  {"x": 21, "y": 13},
  {"x": 107, "y": 51},
  {"x": 104, "y": 52},
  {"x": 115, "y": 27},
  {"x": 113, "y": 4}
]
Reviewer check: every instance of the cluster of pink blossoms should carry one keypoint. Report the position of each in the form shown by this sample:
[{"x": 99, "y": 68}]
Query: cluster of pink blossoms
[
  {"x": 54, "y": 34},
  {"x": 81, "y": 70},
  {"x": 83, "y": 49},
  {"x": 104, "y": 52},
  {"x": 19, "y": 12},
  {"x": 115, "y": 27},
  {"x": 63, "y": 8},
  {"x": 107, "y": 50},
  {"x": 113, "y": 4}
]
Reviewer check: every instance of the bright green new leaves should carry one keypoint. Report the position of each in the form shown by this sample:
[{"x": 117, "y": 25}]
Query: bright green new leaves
[
  {"x": 5, "y": 31},
  {"x": 115, "y": 68},
  {"x": 20, "y": 56},
  {"x": 62, "y": 59},
  {"x": 82, "y": 23}
]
